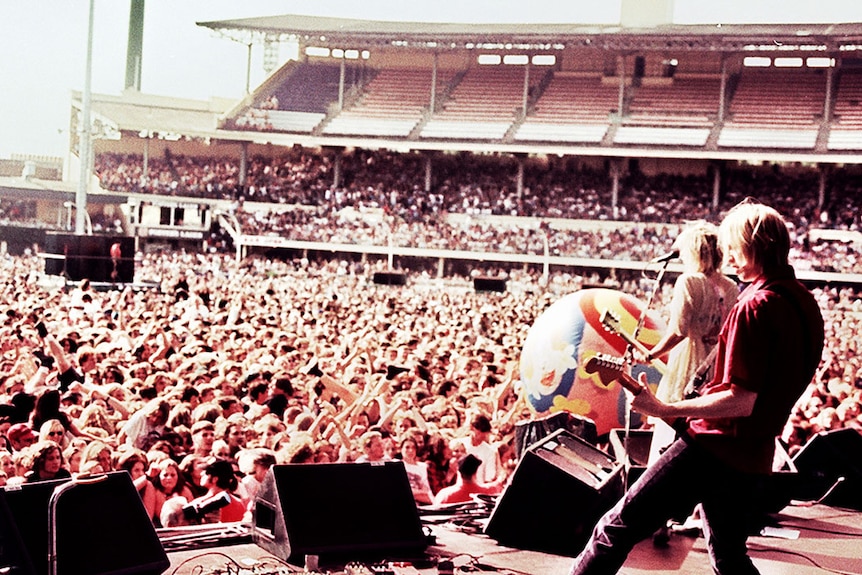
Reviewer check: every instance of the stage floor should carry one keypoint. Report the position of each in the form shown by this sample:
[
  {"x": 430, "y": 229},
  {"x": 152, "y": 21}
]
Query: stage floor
[{"x": 808, "y": 541}]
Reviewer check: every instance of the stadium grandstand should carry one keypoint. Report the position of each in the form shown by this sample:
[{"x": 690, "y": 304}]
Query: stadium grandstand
[
  {"x": 628, "y": 101},
  {"x": 486, "y": 170}
]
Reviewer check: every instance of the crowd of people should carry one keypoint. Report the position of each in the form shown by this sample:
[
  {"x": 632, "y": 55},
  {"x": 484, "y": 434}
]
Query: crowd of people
[
  {"x": 382, "y": 201},
  {"x": 478, "y": 184},
  {"x": 197, "y": 386}
]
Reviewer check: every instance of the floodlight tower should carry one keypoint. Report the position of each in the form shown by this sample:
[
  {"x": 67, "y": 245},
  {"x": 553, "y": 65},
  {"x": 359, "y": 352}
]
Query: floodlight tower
[
  {"x": 85, "y": 149},
  {"x": 135, "y": 47}
]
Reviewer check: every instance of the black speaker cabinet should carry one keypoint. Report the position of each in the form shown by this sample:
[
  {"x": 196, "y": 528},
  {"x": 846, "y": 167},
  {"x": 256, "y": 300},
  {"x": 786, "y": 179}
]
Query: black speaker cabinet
[
  {"x": 632, "y": 449},
  {"x": 483, "y": 283},
  {"x": 89, "y": 257},
  {"x": 533, "y": 430},
  {"x": 559, "y": 490},
  {"x": 390, "y": 278},
  {"x": 824, "y": 461},
  {"x": 101, "y": 528},
  {"x": 337, "y": 510}
]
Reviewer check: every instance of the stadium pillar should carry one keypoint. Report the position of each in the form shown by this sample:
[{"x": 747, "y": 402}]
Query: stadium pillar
[
  {"x": 428, "y": 172},
  {"x": 823, "y": 170},
  {"x": 243, "y": 165},
  {"x": 716, "y": 184},
  {"x": 433, "y": 104},
  {"x": 519, "y": 181},
  {"x": 722, "y": 89},
  {"x": 616, "y": 168}
]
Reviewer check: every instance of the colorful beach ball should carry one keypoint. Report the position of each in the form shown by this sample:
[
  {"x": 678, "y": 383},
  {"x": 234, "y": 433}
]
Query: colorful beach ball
[{"x": 565, "y": 336}]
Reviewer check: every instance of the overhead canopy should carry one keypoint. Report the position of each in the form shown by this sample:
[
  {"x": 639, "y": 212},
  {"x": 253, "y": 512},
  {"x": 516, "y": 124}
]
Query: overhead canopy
[{"x": 342, "y": 32}]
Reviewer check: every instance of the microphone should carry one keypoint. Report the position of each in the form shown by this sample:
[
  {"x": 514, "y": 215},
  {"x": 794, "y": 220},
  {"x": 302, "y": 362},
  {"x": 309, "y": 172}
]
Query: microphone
[{"x": 664, "y": 258}]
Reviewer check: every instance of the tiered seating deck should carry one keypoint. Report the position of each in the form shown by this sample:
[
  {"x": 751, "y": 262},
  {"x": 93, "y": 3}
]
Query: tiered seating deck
[
  {"x": 675, "y": 102},
  {"x": 482, "y": 106},
  {"x": 393, "y": 104},
  {"x": 573, "y": 108},
  {"x": 846, "y": 126},
  {"x": 775, "y": 109}
]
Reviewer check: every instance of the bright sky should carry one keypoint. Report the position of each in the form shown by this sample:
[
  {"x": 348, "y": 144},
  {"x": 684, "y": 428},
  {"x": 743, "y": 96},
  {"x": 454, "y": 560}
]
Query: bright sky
[{"x": 43, "y": 45}]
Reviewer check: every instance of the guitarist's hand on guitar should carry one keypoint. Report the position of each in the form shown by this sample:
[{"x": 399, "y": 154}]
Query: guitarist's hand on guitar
[{"x": 646, "y": 402}]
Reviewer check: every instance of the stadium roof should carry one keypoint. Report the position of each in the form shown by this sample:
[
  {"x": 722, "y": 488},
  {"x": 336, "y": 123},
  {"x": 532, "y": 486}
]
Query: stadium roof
[
  {"x": 134, "y": 111},
  {"x": 342, "y": 31}
]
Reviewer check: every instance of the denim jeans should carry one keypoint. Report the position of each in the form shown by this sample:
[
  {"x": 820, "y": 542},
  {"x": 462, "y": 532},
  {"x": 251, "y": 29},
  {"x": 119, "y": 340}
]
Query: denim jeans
[{"x": 685, "y": 475}]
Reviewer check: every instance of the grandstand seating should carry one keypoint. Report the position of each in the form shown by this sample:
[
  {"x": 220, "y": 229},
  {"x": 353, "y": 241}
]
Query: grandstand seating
[
  {"x": 675, "y": 102},
  {"x": 393, "y": 104},
  {"x": 573, "y": 108},
  {"x": 311, "y": 88},
  {"x": 765, "y": 114},
  {"x": 287, "y": 121},
  {"x": 483, "y": 105},
  {"x": 846, "y": 131}
]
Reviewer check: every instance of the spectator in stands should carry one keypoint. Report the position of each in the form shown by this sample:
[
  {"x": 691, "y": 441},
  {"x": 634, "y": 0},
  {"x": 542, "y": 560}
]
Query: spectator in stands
[
  {"x": 372, "y": 447},
  {"x": 203, "y": 436},
  {"x": 169, "y": 483},
  {"x": 146, "y": 425},
  {"x": 48, "y": 463},
  {"x": 467, "y": 484},
  {"x": 52, "y": 429},
  {"x": 417, "y": 471},
  {"x": 20, "y": 436},
  {"x": 477, "y": 444},
  {"x": 217, "y": 505},
  {"x": 254, "y": 464}
]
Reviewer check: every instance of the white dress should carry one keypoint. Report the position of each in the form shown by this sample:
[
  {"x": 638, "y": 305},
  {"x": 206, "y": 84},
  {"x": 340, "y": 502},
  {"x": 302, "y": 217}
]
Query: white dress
[{"x": 699, "y": 306}]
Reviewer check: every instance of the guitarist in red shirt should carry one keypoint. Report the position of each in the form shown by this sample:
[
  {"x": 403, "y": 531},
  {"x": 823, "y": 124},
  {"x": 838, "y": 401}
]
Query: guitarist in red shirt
[{"x": 768, "y": 350}]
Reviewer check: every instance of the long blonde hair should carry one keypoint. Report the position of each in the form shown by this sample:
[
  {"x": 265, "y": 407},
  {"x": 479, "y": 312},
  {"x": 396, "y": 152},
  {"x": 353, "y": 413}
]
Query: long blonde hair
[
  {"x": 698, "y": 247},
  {"x": 759, "y": 232}
]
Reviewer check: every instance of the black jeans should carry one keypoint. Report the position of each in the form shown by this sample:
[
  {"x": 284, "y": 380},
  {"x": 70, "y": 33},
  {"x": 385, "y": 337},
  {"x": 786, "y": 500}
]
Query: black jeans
[{"x": 685, "y": 475}]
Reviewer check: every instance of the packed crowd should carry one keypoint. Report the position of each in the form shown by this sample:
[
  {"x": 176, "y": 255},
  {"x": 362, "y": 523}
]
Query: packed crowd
[
  {"x": 381, "y": 202},
  {"x": 197, "y": 387},
  {"x": 478, "y": 186},
  {"x": 481, "y": 185}
]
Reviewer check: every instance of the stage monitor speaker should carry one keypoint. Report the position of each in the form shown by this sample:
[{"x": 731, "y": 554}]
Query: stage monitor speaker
[
  {"x": 529, "y": 432},
  {"x": 483, "y": 283},
  {"x": 101, "y": 528},
  {"x": 390, "y": 278},
  {"x": 631, "y": 447},
  {"x": 824, "y": 460},
  {"x": 356, "y": 511},
  {"x": 90, "y": 257},
  {"x": 559, "y": 490}
]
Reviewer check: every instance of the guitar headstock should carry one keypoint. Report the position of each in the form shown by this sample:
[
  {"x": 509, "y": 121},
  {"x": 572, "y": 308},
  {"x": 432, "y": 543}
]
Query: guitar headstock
[
  {"x": 610, "y": 369},
  {"x": 611, "y": 321}
]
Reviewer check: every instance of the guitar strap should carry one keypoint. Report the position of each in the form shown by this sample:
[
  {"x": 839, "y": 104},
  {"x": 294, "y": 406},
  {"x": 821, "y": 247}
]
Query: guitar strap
[{"x": 692, "y": 389}]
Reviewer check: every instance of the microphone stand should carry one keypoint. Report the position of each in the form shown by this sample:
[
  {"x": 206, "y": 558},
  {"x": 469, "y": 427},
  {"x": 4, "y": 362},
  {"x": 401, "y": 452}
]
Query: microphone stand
[{"x": 628, "y": 356}]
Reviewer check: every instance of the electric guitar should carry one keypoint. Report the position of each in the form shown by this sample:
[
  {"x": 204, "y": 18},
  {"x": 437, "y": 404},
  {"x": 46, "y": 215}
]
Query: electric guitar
[
  {"x": 610, "y": 369},
  {"x": 611, "y": 322}
]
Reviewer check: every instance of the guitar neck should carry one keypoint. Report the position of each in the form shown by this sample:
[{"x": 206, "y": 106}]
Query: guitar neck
[
  {"x": 612, "y": 369},
  {"x": 629, "y": 383},
  {"x": 611, "y": 323}
]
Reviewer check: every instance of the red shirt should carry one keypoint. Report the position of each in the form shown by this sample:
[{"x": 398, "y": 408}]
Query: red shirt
[
  {"x": 461, "y": 492},
  {"x": 770, "y": 344}
]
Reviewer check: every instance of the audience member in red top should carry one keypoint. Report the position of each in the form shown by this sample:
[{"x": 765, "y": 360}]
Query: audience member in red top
[
  {"x": 466, "y": 484},
  {"x": 217, "y": 505}
]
